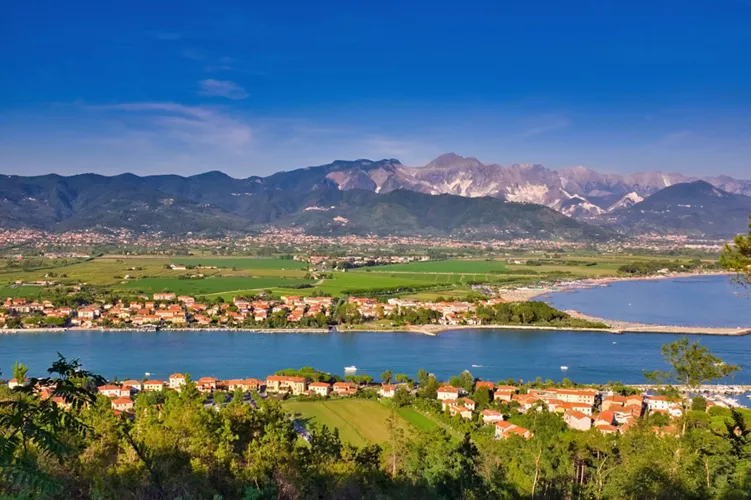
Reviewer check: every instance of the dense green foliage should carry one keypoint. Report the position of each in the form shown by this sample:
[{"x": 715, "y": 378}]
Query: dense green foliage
[
  {"x": 176, "y": 447},
  {"x": 736, "y": 256}
]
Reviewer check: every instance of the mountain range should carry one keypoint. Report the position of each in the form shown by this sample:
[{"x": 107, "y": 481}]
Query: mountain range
[{"x": 450, "y": 195}]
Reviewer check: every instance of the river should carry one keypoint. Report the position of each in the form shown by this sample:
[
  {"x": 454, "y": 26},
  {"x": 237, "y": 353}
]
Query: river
[
  {"x": 692, "y": 301},
  {"x": 489, "y": 354}
]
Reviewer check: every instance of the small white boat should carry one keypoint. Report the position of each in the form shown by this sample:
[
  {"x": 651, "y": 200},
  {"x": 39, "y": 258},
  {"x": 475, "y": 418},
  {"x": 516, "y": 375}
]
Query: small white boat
[
  {"x": 352, "y": 368},
  {"x": 148, "y": 374},
  {"x": 476, "y": 366},
  {"x": 564, "y": 368},
  {"x": 614, "y": 342}
]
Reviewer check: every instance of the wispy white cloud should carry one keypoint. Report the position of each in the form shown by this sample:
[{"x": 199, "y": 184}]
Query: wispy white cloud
[
  {"x": 543, "y": 125},
  {"x": 222, "y": 88},
  {"x": 188, "y": 124}
]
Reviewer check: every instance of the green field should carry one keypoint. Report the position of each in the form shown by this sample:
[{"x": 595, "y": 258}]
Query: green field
[
  {"x": 443, "y": 266},
  {"x": 208, "y": 286},
  {"x": 416, "y": 419},
  {"x": 360, "y": 421},
  {"x": 241, "y": 263}
]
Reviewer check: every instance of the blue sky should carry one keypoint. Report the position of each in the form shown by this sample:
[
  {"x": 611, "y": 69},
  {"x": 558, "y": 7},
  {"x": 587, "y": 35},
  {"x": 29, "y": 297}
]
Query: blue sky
[{"x": 250, "y": 88}]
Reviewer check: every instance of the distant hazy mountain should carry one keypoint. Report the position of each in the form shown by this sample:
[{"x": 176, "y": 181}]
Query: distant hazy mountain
[
  {"x": 695, "y": 208},
  {"x": 216, "y": 201},
  {"x": 526, "y": 183}
]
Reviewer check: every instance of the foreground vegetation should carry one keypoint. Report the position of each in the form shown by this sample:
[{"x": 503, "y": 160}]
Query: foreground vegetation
[{"x": 176, "y": 446}]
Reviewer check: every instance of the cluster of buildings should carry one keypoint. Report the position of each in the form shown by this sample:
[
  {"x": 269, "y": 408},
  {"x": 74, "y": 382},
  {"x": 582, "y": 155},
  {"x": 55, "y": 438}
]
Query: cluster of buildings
[
  {"x": 182, "y": 311},
  {"x": 451, "y": 313},
  {"x": 169, "y": 309},
  {"x": 582, "y": 408}
]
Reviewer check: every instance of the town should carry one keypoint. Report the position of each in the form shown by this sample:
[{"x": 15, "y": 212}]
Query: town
[{"x": 172, "y": 311}]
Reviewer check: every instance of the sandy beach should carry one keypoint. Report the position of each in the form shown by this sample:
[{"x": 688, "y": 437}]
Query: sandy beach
[{"x": 522, "y": 294}]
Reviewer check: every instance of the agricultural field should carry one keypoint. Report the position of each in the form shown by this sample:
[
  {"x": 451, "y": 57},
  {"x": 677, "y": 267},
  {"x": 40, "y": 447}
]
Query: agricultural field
[
  {"x": 360, "y": 421},
  {"x": 457, "y": 266},
  {"x": 209, "y": 286},
  {"x": 243, "y": 263}
]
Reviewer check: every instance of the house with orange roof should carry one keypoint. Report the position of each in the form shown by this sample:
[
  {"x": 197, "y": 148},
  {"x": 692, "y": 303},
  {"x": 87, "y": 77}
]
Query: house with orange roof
[
  {"x": 341, "y": 388},
  {"x": 176, "y": 381},
  {"x": 577, "y": 420},
  {"x": 153, "y": 385},
  {"x": 460, "y": 410},
  {"x": 487, "y": 384},
  {"x": 206, "y": 384},
  {"x": 605, "y": 417},
  {"x": 448, "y": 392},
  {"x": 504, "y": 393},
  {"x": 134, "y": 384},
  {"x": 111, "y": 391},
  {"x": 280, "y": 383},
  {"x": 586, "y": 396},
  {"x": 122, "y": 404},
  {"x": 505, "y": 429},
  {"x": 614, "y": 402},
  {"x": 526, "y": 401},
  {"x": 469, "y": 404},
  {"x": 606, "y": 428},
  {"x": 13, "y": 383},
  {"x": 320, "y": 388},
  {"x": 448, "y": 403},
  {"x": 491, "y": 416},
  {"x": 387, "y": 391},
  {"x": 582, "y": 407}
]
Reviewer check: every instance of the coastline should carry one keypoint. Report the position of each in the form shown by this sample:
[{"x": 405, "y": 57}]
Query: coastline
[
  {"x": 510, "y": 295},
  {"x": 525, "y": 294},
  {"x": 615, "y": 328}
]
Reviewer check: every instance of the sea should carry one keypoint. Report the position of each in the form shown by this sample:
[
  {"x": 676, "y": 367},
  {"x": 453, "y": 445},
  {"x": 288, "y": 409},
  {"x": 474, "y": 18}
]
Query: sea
[
  {"x": 692, "y": 301},
  {"x": 590, "y": 357}
]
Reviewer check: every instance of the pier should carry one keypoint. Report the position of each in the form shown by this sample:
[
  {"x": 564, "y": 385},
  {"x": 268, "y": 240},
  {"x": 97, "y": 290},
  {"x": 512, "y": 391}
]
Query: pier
[{"x": 619, "y": 327}]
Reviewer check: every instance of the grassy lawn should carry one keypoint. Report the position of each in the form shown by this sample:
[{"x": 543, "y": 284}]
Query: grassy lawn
[
  {"x": 360, "y": 421},
  {"x": 208, "y": 286},
  {"x": 416, "y": 419}
]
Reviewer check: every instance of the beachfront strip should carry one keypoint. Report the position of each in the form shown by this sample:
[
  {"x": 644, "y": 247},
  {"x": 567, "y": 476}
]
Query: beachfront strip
[
  {"x": 582, "y": 409},
  {"x": 171, "y": 310}
]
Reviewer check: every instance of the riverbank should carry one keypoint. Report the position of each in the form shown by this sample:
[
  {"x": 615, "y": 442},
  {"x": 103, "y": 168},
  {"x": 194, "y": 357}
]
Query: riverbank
[{"x": 523, "y": 294}]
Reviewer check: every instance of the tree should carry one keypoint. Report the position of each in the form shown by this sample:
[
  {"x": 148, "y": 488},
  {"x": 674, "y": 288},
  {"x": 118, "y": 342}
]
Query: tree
[
  {"x": 386, "y": 377},
  {"x": 736, "y": 256},
  {"x": 401, "y": 398},
  {"x": 32, "y": 427},
  {"x": 482, "y": 397},
  {"x": 19, "y": 372},
  {"x": 691, "y": 365},
  {"x": 698, "y": 403}
]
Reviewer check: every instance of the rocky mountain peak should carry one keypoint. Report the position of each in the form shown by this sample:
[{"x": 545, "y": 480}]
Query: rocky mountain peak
[{"x": 449, "y": 160}]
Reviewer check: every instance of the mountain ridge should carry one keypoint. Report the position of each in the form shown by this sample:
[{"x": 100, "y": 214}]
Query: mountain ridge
[{"x": 240, "y": 203}]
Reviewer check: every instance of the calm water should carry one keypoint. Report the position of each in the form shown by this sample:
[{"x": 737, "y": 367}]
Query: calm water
[
  {"x": 695, "y": 301},
  {"x": 591, "y": 357}
]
